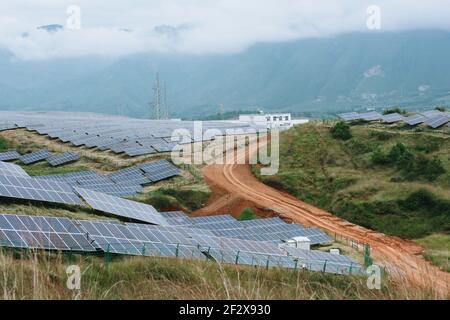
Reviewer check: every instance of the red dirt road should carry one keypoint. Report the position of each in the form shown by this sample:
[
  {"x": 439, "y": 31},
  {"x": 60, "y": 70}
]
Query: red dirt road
[{"x": 234, "y": 183}]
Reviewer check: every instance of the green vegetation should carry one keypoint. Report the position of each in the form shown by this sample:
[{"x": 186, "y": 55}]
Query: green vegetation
[
  {"x": 379, "y": 178},
  {"x": 40, "y": 275},
  {"x": 43, "y": 169},
  {"x": 167, "y": 199},
  {"x": 341, "y": 130},
  {"x": 394, "y": 110},
  {"x": 437, "y": 250},
  {"x": 411, "y": 166},
  {"x": 4, "y": 144},
  {"x": 229, "y": 115},
  {"x": 247, "y": 214}
]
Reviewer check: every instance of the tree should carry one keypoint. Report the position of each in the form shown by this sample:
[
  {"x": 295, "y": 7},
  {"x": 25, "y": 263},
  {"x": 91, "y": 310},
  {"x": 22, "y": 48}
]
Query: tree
[
  {"x": 247, "y": 214},
  {"x": 341, "y": 130}
]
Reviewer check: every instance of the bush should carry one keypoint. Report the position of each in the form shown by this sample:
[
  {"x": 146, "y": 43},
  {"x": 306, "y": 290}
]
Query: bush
[
  {"x": 191, "y": 199},
  {"x": 379, "y": 158},
  {"x": 428, "y": 146},
  {"x": 341, "y": 130},
  {"x": 4, "y": 145},
  {"x": 247, "y": 214},
  {"x": 398, "y": 152},
  {"x": 380, "y": 135},
  {"x": 433, "y": 169},
  {"x": 394, "y": 110},
  {"x": 357, "y": 146}
]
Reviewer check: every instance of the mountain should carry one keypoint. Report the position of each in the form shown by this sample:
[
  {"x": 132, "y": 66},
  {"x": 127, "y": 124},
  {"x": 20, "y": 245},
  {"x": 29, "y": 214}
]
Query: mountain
[{"x": 346, "y": 72}]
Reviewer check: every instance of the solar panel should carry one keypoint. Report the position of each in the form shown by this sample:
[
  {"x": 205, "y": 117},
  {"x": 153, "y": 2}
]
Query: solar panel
[
  {"x": 9, "y": 155},
  {"x": 392, "y": 117},
  {"x": 121, "y": 207},
  {"x": 118, "y": 190},
  {"x": 35, "y": 156},
  {"x": 63, "y": 158},
  {"x": 437, "y": 121},
  {"x": 131, "y": 240},
  {"x": 159, "y": 170},
  {"x": 349, "y": 116},
  {"x": 370, "y": 116},
  {"x": 35, "y": 189},
  {"x": 12, "y": 169},
  {"x": 323, "y": 261},
  {"x": 431, "y": 114},
  {"x": 40, "y": 232},
  {"x": 414, "y": 119}
]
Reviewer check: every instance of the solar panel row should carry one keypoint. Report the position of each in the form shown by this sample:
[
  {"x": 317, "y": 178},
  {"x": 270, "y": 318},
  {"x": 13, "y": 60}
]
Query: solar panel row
[
  {"x": 52, "y": 233},
  {"x": 35, "y": 156},
  {"x": 63, "y": 158},
  {"x": 433, "y": 118},
  {"x": 9, "y": 155}
]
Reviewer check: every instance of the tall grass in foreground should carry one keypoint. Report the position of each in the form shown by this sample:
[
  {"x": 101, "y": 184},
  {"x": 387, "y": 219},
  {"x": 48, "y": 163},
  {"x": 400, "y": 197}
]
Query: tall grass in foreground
[{"x": 42, "y": 275}]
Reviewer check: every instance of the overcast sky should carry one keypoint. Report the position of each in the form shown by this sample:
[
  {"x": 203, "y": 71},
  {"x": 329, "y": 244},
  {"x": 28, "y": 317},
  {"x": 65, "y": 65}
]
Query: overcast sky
[{"x": 197, "y": 26}]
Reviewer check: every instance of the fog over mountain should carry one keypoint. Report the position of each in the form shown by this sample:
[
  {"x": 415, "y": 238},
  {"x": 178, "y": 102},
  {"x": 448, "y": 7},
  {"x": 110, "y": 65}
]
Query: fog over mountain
[
  {"x": 292, "y": 55},
  {"x": 349, "y": 71}
]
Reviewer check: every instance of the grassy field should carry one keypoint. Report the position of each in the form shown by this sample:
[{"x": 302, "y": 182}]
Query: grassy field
[
  {"x": 43, "y": 276},
  {"x": 341, "y": 176}
]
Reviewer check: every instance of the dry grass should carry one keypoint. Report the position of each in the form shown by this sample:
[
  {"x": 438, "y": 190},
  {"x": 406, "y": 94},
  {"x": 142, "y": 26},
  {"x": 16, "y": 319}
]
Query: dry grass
[{"x": 42, "y": 275}]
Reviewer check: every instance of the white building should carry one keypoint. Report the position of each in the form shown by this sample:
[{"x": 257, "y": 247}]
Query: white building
[{"x": 270, "y": 120}]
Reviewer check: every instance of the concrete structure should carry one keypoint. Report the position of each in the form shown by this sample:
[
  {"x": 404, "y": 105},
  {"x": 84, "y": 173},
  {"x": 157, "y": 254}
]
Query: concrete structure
[
  {"x": 299, "y": 242},
  {"x": 270, "y": 120}
]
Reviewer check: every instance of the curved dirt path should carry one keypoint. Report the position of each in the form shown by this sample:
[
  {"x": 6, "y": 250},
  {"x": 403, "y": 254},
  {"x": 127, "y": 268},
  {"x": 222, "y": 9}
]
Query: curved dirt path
[{"x": 230, "y": 182}]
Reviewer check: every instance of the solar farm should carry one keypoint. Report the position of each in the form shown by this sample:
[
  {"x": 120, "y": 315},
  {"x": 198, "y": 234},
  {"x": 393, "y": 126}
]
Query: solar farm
[
  {"x": 129, "y": 227},
  {"x": 432, "y": 119}
]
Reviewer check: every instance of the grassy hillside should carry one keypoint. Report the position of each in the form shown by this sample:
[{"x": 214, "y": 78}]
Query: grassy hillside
[{"x": 402, "y": 194}]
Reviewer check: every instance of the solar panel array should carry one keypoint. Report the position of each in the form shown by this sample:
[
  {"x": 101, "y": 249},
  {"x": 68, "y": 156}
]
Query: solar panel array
[
  {"x": 11, "y": 169},
  {"x": 272, "y": 229},
  {"x": 159, "y": 170},
  {"x": 20, "y": 231},
  {"x": 121, "y": 183},
  {"x": 133, "y": 137},
  {"x": 433, "y": 118},
  {"x": 9, "y": 155},
  {"x": 20, "y": 187},
  {"x": 121, "y": 207},
  {"x": 35, "y": 156},
  {"x": 63, "y": 158},
  {"x": 51, "y": 233}
]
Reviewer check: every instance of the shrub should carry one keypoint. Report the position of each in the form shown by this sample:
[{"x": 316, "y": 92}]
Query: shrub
[
  {"x": 4, "y": 145},
  {"x": 247, "y": 214},
  {"x": 341, "y": 130},
  {"x": 428, "y": 146},
  {"x": 380, "y": 135},
  {"x": 397, "y": 152},
  {"x": 192, "y": 199},
  {"x": 378, "y": 157},
  {"x": 357, "y": 146},
  {"x": 433, "y": 169},
  {"x": 394, "y": 110}
]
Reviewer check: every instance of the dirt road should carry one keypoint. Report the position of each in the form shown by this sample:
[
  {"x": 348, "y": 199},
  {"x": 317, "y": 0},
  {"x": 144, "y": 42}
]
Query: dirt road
[{"x": 234, "y": 183}]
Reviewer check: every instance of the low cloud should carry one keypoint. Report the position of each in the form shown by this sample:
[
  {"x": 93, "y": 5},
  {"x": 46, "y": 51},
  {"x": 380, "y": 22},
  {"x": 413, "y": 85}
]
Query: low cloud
[{"x": 117, "y": 28}]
